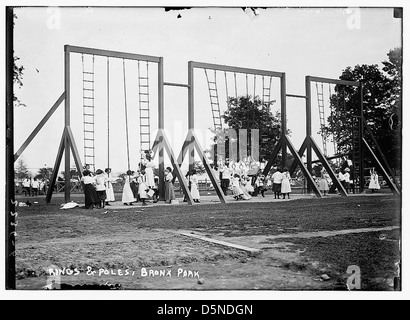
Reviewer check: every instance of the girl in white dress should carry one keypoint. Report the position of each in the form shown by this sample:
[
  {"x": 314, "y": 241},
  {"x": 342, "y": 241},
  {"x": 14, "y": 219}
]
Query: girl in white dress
[
  {"x": 236, "y": 189},
  {"x": 285, "y": 184},
  {"x": 242, "y": 185},
  {"x": 323, "y": 184},
  {"x": 142, "y": 187},
  {"x": 374, "y": 181},
  {"x": 193, "y": 178},
  {"x": 127, "y": 195},
  {"x": 109, "y": 188}
]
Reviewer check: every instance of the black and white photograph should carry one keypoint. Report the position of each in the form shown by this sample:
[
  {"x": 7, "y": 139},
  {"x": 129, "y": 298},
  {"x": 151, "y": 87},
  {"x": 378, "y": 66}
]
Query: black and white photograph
[{"x": 230, "y": 150}]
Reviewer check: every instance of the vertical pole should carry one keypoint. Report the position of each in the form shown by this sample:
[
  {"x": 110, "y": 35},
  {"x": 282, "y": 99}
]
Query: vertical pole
[
  {"x": 361, "y": 149},
  {"x": 161, "y": 166},
  {"x": 191, "y": 114},
  {"x": 308, "y": 130},
  {"x": 67, "y": 185},
  {"x": 10, "y": 207},
  {"x": 283, "y": 117}
]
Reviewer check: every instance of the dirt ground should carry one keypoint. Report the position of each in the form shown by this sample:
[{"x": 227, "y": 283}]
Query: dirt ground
[{"x": 301, "y": 244}]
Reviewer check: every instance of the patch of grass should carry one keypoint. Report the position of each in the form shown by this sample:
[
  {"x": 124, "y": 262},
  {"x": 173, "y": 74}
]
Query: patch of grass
[{"x": 375, "y": 253}]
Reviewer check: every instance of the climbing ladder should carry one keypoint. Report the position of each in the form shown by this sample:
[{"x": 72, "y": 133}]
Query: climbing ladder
[
  {"x": 88, "y": 115},
  {"x": 213, "y": 96},
  {"x": 321, "y": 105},
  {"x": 143, "y": 89},
  {"x": 266, "y": 89}
]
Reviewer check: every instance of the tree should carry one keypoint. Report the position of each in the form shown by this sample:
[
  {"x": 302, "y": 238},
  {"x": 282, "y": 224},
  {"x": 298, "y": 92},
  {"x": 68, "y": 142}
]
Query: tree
[
  {"x": 381, "y": 100},
  {"x": 21, "y": 171},
  {"x": 17, "y": 77},
  {"x": 246, "y": 112},
  {"x": 44, "y": 173},
  {"x": 198, "y": 166}
]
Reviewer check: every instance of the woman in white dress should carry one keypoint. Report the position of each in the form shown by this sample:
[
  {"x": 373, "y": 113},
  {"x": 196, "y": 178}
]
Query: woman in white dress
[
  {"x": 374, "y": 181},
  {"x": 149, "y": 170},
  {"x": 193, "y": 179},
  {"x": 127, "y": 194},
  {"x": 285, "y": 184},
  {"x": 109, "y": 189}
]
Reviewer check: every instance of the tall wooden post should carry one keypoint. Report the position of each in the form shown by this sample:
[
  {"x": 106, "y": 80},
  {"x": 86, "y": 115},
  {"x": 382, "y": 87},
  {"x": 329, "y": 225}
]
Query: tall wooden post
[
  {"x": 308, "y": 129},
  {"x": 161, "y": 124},
  {"x": 67, "y": 185},
  {"x": 283, "y": 117},
  {"x": 191, "y": 112},
  {"x": 361, "y": 146},
  {"x": 10, "y": 207}
]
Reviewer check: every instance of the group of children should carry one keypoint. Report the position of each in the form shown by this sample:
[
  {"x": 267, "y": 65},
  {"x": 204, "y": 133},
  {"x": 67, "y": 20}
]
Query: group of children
[
  {"x": 141, "y": 185},
  {"x": 138, "y": 186},
  {"x": 33, "y": 187},
  {"x": 98, "y": 189},
  {"x": 244, "y": 187}
]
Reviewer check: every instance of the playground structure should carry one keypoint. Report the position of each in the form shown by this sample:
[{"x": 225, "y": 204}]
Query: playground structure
[{"x": 161, "y": 143}]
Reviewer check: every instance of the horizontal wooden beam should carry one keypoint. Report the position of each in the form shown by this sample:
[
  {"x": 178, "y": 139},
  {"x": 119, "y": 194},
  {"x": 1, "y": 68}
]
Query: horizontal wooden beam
[
  {"x": 296, "y": 96},
  {"x": 221, "y": 67},
  {"x": 112, "y": 54},
  {"x": 251, "y": 251},
  {"x": 172, "y": 84},
  {"x": 334, "y": 81}
]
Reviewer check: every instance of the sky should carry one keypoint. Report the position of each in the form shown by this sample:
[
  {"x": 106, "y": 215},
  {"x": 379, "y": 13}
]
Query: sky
[{"x": 298, "y": 41}]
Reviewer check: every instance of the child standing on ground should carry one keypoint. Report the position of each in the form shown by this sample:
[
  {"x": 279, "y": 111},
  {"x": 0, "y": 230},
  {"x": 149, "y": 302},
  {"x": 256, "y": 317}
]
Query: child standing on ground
[
  {"x": 285, "y": 184},
  {"x": 193, "y": 180},
  {"x": 127, "y": 194},
  {"x": 323, "y": 184},
  {"x": 156, "y": 190},
  {"x": 142, "y": 187},
  {"x": 109, "y": 188},
  {"x": 169, "y": 187},
  {"x": 347, "y": 179},
  {"x": 100, "y": 187},
  {"x": 91, "y": 197},
  {"x": 246, "y": 195},
  {"x": 277, "y": 183},
  {"x": 34, "y": 187},
  {"x": 374, "y": 181},
  {"x": 236, "y": 189}
]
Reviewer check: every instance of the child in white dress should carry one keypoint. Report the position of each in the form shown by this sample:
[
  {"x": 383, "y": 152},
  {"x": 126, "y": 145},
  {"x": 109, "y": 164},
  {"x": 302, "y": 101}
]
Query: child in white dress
[
  {"x": 142, "y": 187},
  {"x": 236, "y": 189},
  {"x": 285, "y": 184},
  {"x": 109, "y": 188},
  {"x": 374, "y": 181},
  {"x": 193, "y": 179},
  {"x": 242, "y": 185},
  {"x": 127, "y": 194}
]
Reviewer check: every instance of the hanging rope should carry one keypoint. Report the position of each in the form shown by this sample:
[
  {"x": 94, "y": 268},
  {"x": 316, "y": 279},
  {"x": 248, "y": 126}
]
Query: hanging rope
[
  {"x": 254, "y": 87},
  {"x": 247, "y": 85},
  {"x": 126, "y": 114},
  {"x": 226, "y": 90},
  {"x": 236, "y": 90}
]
